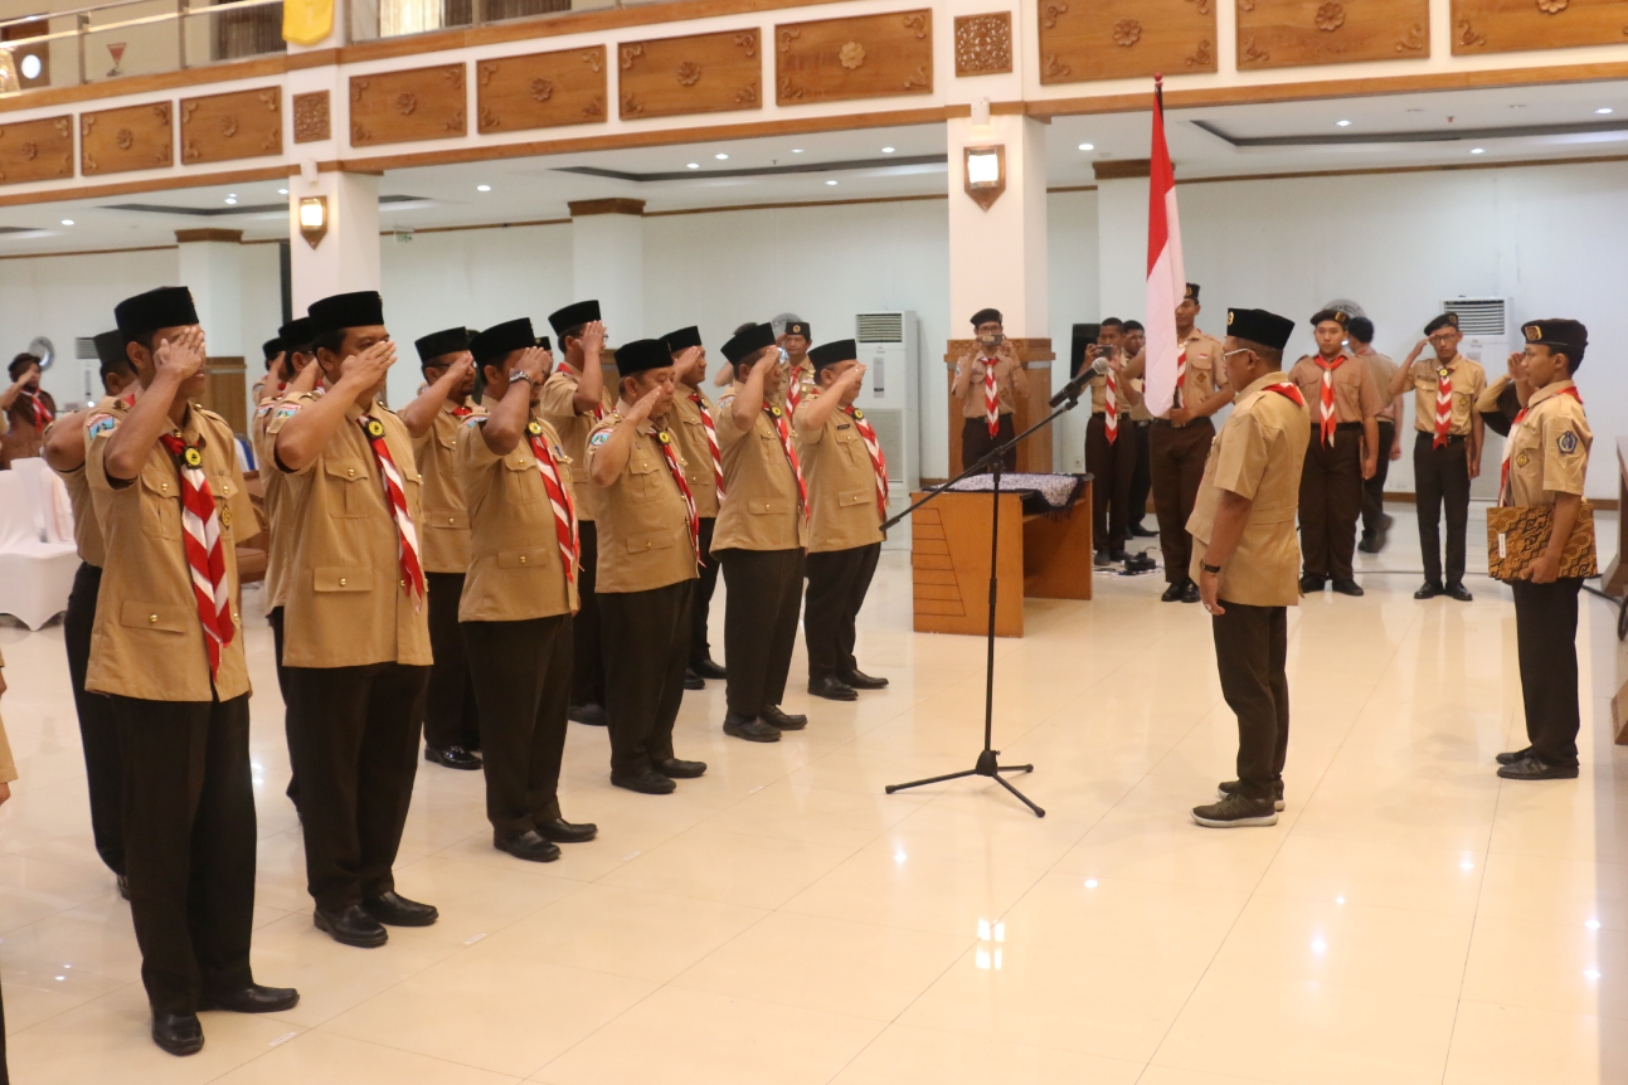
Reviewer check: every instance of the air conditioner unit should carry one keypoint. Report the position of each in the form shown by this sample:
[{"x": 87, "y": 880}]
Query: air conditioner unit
[
  {"x": 889, "y": 348},
  {"x": 1487, "y": 325}
]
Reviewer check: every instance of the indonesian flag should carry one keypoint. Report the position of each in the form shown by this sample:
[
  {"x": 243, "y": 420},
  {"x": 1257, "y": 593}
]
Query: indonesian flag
[{"x": 1167, "y": 278}]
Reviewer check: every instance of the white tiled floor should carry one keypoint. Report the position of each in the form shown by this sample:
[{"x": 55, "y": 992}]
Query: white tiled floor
[{"x": 1411, "y": 919}]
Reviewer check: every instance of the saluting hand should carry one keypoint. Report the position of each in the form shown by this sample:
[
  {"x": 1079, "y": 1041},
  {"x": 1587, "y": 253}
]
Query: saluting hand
[
  {"x": 854, "y": 375},
  {"x": 181, "y": 357},
  {"x": 368, "y": 368},
  {"x": 534, "y": 364},
  {"x": 1418, "y": 349},
  {"x": 593, "y": 337},
  {"x": 1517, "y": 366},
  {"x": 641, "y": 410}
]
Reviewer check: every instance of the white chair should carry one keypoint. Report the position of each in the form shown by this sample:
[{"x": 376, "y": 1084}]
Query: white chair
[{"x": 35, "y": 575}]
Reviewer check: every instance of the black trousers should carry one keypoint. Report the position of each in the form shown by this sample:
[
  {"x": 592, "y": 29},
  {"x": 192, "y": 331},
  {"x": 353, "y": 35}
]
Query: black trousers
[
  {"x": 837, "y": 583},
  {"x": 1176, "y": 455},
  {"x": 701, "y": 596},
  {"x": 1546, "y": 640},
  {"x": 98, "y": 733},
  {"x": 1251, "y": 646},
  {"x": 451, "y": 717},
  {"x": 760, "y": 624},
  {"x": 1331, "y": 501},
  {"x": 1113, "y": 467},
  {"x": 587, "y": 656},
  {"x": 522, "y": 673},
  {"x": 976, "y": 442},
  {"x": 189, "y": 845},
  {"x": 274, "y": 617},
  {"x": 1442, "y": 476},
  {"x": 1142, "y": 477},
  {"x": 644, "y": 674},
  {"x": 1373, "y": 489},
  {"x": 356, "y": 749}
]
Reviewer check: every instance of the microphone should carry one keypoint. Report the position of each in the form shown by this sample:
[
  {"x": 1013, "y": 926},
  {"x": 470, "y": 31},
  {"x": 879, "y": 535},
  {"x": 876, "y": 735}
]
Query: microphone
[{"x": 1073, "y": 388}]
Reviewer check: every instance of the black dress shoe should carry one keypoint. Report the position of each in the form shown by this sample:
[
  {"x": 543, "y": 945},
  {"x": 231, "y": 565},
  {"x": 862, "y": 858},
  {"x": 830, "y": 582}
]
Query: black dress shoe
[
  {"x": 566, "y": 832},
  {"x": 528, "y": 845},
  {"x": 1173, "y": 592},
  {"x": 1533, "y": 767},
  {"x": 752, "y": 730},
  {"x": 1101, "y": 560},
  {"x": 591, "y": 714},
  {"x": 1347, "y": 587},
  {"x": 351, "y": 927},
  {"x": 1119, "y": 555},
  {"x": 645, "y": 783},
  {"x": 693, "y": 680},
  {"x": 1511, "y": 756},
  {"x": 123, "y": 882},
  {"x": 706, "y": 668},
  {"x": 1458, "y": 593},
  {"x": 1191, "y": 594},
  {"x": 397, "y": 911},
  {"x": 1311, "y": 582},
  {"x": 178, "y": 1033},
  {"x": 832, "y": 689},
  {"x": 1430, "y": 590},
  {"x": 1141, "y": 532},
  {"x": 452, "y": 757},
  {"x": 858, "y": 679},
  {"x": 675, "y": 769},
  {"x": 1367, "y": 546},
  {"x": 784, "y": 721},
  {"x": 253, "y": 999}
]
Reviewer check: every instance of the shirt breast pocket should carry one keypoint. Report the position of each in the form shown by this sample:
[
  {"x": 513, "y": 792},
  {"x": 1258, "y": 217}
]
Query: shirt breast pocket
[
  {"x": 160, "y": 503},
  {"x": 351, "y": 486},
  {"x": 520, "y": 491},
  {"x": 645, "y": 473}
]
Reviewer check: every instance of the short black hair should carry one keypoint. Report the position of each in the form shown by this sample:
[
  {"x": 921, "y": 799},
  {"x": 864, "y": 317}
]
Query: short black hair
[
  {"x": 1112, "y": 322},
  {"x": 21, "y": 363},
  {"x": 573, "y": 332},
  {"x": 1361, "y": 329},
  {"x": 752, "y": 359},
  {"x": 744, "y": 328},
  {"x": 1574, "y": 357},
  {"x": 1134, "y": 326}
]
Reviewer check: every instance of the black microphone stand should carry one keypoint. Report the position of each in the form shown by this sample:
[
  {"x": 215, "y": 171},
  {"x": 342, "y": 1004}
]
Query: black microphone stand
[{"x": 989, "y": 758}]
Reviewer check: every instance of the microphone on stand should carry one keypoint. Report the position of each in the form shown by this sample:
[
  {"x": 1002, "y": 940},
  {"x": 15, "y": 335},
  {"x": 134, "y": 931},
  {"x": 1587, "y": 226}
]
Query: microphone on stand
[{"x": 1075, "y": 387}]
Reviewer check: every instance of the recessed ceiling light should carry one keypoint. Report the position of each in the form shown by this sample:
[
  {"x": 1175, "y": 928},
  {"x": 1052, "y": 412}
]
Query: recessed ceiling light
[
  {"x": 796, "y": 150},
  {"x": 887, "y": 150},
  {"x": 1478, "y": 150},
  {"x": 483, "y": 188},
  {"x": 720, "y": 156},
  {"x": 231, "y": 199},
  {"x": 67, "y": 222},
  {"x": 693, "y": 166},
  {"x": 1342, "y": 124},
  {"x": 1088, "y": 146},
  {"x": 1603, "y": 110},
  {"x": 282, "y": 192},
  {"x": 830, "y": 182}
]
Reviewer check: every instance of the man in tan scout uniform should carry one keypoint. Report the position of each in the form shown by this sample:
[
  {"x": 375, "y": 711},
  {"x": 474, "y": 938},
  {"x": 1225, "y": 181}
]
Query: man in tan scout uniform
[
  {"x": 64, "y": 453},
  {"x": 1141, "y": 420},
  {"x": 357, "y": 654},
  {"x": 1446, "y": 448},
  {"x": 1359, "y": 334},
  {"x": 795, "y": 339},
  {"x": 25, "y": 410},
  {"x": 847, "y": 496},
  {"x": 647, "y": 566},
  {"x": 519, "y": 595},
  {"x": 1110, "y": 444},
  {"x": 704, "y": 470},
  {"x": 434, "y": 419},
  {"x": 989, "y": 380},
  {"x": 575, "y": 400},
  {"x": 1343, "y": 450},
  {"x": 1245, "y": 557},
  {"x": 1545, "y": 463},
  {"x": 759, "y": 539},
  {"x": 169, "y": 652}
]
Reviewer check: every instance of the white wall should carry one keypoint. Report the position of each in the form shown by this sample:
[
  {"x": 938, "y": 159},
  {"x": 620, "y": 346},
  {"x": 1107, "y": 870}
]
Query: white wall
[{"x": 1075, "y": 299}]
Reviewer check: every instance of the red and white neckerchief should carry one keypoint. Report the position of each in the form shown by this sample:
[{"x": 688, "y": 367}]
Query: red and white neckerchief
[
  {"x": 206, "y": 554},
  {"x": 395, "y": 496},
  {"x": 1504, "y": 494},
  {"x": 1288, "y": 390},
  {"x": 992, "y": 398},
  {"x": 559, "y": 498},
  {"x": 1110, "y": 404},
  {"x": 599, "y": 408},
  {"x": 463, "y": 410},
  {"x": 1328, "y": 416},
  {"x": 1444, "y": 406},
  {"x": 670, "y": 452},
  {"x": 794, "y": 392},
  {"x": 712, "y": 442},
  {"x": 867, "y": 433},
  {"x": 782, "y": 427},
  {"x": 42, "y": 414}
]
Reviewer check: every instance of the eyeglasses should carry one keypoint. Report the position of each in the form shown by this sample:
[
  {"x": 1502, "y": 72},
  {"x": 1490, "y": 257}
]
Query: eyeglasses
[{"x": 1240, "y": 350}]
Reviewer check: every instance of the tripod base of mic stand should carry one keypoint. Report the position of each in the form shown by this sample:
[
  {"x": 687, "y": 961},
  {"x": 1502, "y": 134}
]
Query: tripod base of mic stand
[{"x": 988, "y": 765}]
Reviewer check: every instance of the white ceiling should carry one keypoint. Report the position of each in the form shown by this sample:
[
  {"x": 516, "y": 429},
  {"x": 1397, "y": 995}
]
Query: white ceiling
[{"x": 529, "y": 189}]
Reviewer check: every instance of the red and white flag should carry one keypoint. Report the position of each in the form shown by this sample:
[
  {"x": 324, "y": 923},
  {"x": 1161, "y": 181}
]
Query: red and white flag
[{"x": 1167, "y": 278}]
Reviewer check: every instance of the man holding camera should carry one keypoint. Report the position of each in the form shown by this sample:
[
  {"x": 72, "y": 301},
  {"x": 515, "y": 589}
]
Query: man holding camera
[{"x": 988, "y": 381}]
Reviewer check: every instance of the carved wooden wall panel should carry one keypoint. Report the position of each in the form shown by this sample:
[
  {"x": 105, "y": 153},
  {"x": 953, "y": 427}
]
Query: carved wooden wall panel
[
  {"x": 1507, "y": 26},
  {"x": 1291, "y": 33},
  {"x": 137, "y": 137},
  {"x": 396, "y": 107},
  {"x": 541, "y": 90},
  {"x": 701, "y": 73},
  {"x": 39, "y": 150},
  {"x": 221, "y": 127},
  {"x": 868, "y": 56},
  {"x": 983, "y": 44},
  {"x": 1083, "y": 40},
  {"x": 311, "y": 117}
]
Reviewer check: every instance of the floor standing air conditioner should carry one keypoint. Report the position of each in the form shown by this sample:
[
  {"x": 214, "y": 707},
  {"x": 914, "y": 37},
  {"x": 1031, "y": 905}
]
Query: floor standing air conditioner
[
  {"x": 889, "y": 348},
  {"x": 1485, "y": 324}
]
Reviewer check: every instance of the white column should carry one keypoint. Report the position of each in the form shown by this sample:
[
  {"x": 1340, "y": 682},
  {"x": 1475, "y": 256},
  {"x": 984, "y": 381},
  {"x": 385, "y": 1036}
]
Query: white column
[
  {"x": 607, "y": 260},
  {"x": 210, "y": 264},
  {"x": 347, "y": 256}
]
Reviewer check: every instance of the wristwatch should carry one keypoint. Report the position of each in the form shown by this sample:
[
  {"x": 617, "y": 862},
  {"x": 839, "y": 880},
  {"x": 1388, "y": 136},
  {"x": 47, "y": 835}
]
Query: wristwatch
[
  {"x": 521, "y": 375},
  {"x": 1208, "y": 568}
]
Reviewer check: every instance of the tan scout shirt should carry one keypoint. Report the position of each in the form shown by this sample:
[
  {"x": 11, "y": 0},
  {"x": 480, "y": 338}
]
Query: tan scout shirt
[
  {"x": 282, "y": 512},
  {"x": 1548, "y": 451},
  {"x": 1469, "y": 381},
  {"x": 841, "y": 485},
  {"x": 803, "y": 374},
  {"x": 344, "y": 601},
  {"x": 516, "y": 571},
  {"x": 148, "y": 640},
  {"x": 87, "y": 532},
  {"x": 644, "y": 524},
  {"x": 1258, "y": 454},
  {"x": 1010, "y": 382},
  {"x": 573, "y": 428},
  {"x": 8, "y": 766},
  {"x": 1384, "y": 371},
  {"x": 444, "y": 540},
  {"x": 762, "y": 508},
  {"x": 1206, "y": 371},
  {"x": 1356, "y": 393},
  {"x": 686, "y": 425}
]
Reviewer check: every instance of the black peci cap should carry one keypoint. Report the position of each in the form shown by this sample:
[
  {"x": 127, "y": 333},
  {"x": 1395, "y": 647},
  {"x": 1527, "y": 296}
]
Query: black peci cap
[
  {"x": 1557, "y": 333},
  {"x": 1260, "y": 326},
  {"x": 165, "y": 307},
  {"x": 297, "y": 334},
  {"x": 748, "y": 342},
  {"x": 986, "y": 316},
  {"x": 574, "y": 315},
  {"x": 1192, "y": 291},
  {"x": 359, "y": 309},
  {"x": 641, "y": 355},
  {"x": 110, "y": 351},
  {"x": 271, "y": 348},
  {"x": 438, "y": 344},
  {"x": 1444, "y": 320},
  {"x": 842, "y": 350},
  {"x": 799, "y": 327},
  {"x": 1339, "y": 316},
  {"x": 501, "y": 340},
  {"x": 682, "y": 339}
]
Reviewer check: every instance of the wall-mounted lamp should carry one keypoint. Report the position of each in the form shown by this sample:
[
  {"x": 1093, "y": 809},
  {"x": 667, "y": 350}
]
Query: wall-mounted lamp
[
  {"x": 984, "y": 174},
  {"x": 314, "y": 219}
]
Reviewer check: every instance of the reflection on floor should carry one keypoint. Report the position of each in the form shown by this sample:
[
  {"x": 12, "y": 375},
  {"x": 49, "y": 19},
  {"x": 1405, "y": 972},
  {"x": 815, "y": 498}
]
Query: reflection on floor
[{"x": 1411, "y": 919}]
